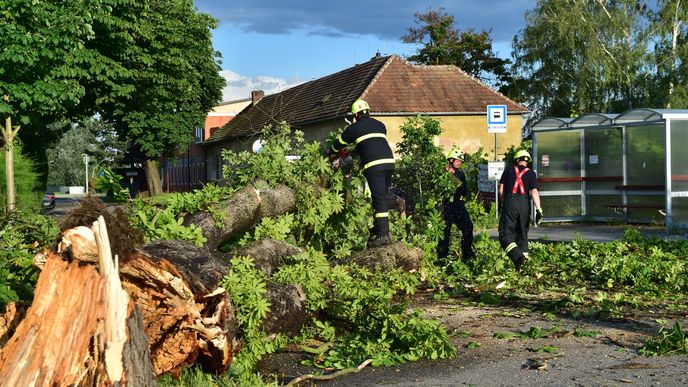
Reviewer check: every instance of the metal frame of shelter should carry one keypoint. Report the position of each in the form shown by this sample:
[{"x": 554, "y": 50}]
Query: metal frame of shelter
[{"x": 630, "y": 167}]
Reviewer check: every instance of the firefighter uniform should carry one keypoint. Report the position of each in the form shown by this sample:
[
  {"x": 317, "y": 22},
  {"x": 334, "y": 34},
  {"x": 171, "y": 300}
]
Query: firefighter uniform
[
  {"x": 517, "y": 181},
  {"x": 370, "y": 138},
  {"x": 454, "y": 212}
]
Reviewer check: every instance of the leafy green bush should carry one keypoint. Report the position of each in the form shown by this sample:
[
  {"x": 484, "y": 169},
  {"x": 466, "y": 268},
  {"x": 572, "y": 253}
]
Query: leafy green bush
[
  {"x": 247, "y": 287},
  {"x": 378, "y": 326},
  {"x": 26, "y": 180},
  {"x": 590, "y": 278},
  {"x": 22, "y": 235},
  {"x": 109, "y": 182},
  {"x": 165, "y": 224},
  {"x": 421, "y": 170}
]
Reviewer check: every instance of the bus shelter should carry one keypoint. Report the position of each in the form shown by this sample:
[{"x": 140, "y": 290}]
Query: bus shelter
[{"x": 630, "y": 167}]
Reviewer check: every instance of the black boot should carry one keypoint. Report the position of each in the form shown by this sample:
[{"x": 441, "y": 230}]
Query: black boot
[
  {"x": 379, "y": 240},
  {"x": 519, "y": 261}
]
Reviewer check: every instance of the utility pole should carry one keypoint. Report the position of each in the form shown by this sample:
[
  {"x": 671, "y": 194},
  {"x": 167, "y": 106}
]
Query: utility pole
[{"x": 86, "y": 158}]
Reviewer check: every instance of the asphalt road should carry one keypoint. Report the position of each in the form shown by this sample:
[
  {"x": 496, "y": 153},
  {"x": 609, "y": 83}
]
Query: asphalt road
[
  {"x": 597, "y": 232},
  {"x": 64, "y": 204},
  {"x": 611, "y": 358}
]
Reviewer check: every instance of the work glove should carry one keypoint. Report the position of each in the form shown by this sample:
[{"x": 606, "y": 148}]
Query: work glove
[
  {"x": 340, "y": 154},
  {"x": 538, "y": 216}
]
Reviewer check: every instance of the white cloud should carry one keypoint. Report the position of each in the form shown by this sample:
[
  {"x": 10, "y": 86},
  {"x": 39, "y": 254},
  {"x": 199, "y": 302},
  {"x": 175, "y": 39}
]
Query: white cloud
[{"x": 240, "y": 87}]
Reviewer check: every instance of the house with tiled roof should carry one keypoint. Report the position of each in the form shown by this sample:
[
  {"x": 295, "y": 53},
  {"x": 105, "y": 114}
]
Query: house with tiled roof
[
  {"x": 187, "y": 169},
  {"x": 395, "y": 90}
]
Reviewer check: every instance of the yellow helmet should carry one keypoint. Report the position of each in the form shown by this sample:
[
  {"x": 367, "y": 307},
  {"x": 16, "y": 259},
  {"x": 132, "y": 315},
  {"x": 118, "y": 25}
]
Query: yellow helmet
[
  {"x": 523, "y": 154},
  {"x": 454, "y": 153},
  {"x": 359, "y": 105}
]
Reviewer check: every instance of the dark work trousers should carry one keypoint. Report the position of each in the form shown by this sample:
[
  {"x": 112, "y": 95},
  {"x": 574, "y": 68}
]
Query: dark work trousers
[
  {"x": 455, "y": 213},
  {"x": 513, "y": 225},
  {"x": 379, "y": 181}
]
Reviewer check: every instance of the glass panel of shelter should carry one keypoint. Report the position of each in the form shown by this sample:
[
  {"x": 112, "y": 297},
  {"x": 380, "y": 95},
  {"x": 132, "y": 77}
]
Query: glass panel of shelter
[
  {"x": 645, "y": 173},
  {"x": 603, "y": 176},
  {"x": 558, "y": 167},
  {"x": 679, "y": 173}
]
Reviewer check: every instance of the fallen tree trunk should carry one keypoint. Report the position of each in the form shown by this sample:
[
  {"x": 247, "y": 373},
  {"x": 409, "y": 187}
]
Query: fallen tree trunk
[
  {"x": 185, "y": 314},
  {"x": 82, "y": 329},
  {"x": 388, "y": 257},
  {"x": 242, "y": 212}
]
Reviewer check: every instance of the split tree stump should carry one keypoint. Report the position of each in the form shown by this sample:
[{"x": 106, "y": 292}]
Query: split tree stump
[{"x": 82, "y": 329}]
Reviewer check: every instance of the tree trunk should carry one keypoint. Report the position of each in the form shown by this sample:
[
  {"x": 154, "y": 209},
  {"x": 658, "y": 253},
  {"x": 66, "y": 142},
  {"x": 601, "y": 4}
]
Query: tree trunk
[
  {"x": 388, "y": 257},
  {"x": 82, "y": 329},
  {"x": 8, "y": 135},
  {"x": 186, "y": 317},
  {"x": 242, "y": 212},
  {"x": 153, "y": 177}
]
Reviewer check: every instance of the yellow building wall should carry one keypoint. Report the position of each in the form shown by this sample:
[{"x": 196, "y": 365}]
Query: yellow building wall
[
  {"x": 231, "y": 108},
  {"x": 468, "y": 133}
]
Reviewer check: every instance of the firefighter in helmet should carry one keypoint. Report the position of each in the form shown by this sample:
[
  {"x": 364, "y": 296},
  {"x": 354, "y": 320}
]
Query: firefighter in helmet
[
  {"x": 454, "y": 211},
  {"x": 517, "y": 186},
  {"x": 370, "y": 138}
]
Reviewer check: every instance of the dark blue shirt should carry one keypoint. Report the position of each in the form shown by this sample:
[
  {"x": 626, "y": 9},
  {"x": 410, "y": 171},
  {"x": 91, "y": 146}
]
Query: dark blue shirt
[{"x": 370, "y": 137}]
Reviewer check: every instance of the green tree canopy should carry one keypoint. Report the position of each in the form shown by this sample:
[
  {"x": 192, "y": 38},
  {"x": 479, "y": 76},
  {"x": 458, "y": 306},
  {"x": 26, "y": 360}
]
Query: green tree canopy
[
  {"x": 583, "y": 56},
  {"x": 148, "y": 67},
  {"x": 670, "y": 34},
  {"x": 174, "y": 74},
  {"x": 442, "y": 44},
  {"x": 42, "y": 60}
]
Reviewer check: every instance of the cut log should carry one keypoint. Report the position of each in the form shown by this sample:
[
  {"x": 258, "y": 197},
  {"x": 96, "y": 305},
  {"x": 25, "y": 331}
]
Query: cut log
[
  {"x": 268, "y": 254},
  {"x": 288, "y": 312},
  {"x": 82, "y": 329},
  {"x": 201, "y": 268},
  {"x": 385, "y": 258},
  {"x": 242, "y": 212}
]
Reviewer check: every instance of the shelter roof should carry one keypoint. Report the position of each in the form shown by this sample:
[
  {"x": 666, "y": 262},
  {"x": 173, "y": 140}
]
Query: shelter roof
[
  {"x": 635, "y": 115},
  {"x": 599, "y": 119},
  {"x": 593, "y": 119},
  {"x": 552, "y": 123}
]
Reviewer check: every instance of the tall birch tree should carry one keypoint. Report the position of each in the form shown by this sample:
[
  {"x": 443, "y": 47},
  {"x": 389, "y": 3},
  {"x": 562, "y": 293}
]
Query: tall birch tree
[
  {"x": 670, "y": 29},
  {"x": 580, "y": 56}
]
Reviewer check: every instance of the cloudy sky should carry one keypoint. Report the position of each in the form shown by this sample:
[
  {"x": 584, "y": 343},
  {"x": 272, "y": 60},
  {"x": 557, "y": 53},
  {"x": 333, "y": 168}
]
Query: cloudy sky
[{"x": 275, "y": 44}]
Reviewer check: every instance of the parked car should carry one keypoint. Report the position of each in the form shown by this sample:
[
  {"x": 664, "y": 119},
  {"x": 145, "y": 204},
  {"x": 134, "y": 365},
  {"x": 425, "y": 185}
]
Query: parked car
[{"x": 48, "y": 201}]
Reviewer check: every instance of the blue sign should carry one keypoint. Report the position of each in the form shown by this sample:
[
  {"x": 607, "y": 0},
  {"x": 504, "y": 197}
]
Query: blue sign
[{"x": 496, "y": 118}]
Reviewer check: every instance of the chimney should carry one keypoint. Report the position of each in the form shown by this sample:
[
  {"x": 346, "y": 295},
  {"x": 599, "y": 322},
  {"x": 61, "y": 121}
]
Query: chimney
[{"x": 256, "y": 96}]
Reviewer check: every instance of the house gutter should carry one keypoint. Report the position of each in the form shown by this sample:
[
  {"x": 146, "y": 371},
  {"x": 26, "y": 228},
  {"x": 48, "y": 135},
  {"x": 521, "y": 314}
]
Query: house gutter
[{"x": 409, "y": 114}]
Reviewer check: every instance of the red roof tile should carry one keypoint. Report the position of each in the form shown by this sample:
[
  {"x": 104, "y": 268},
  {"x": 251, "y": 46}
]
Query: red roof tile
[{"x": 388, "y": 84}]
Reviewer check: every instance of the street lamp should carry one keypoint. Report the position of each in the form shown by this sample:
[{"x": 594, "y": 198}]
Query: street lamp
[{"x": 86, "y": 158}]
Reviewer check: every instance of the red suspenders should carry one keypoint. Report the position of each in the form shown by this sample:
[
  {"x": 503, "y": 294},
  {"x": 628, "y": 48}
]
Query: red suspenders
[{"x": 518, "y": 184}]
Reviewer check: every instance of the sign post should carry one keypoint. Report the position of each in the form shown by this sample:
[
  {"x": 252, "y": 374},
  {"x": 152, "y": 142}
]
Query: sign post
[{"x": 494, "y": 172}]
